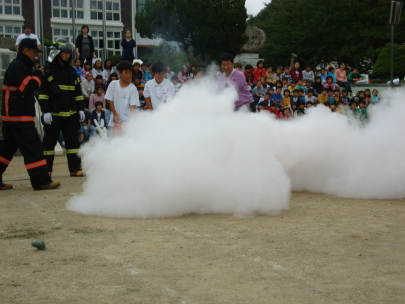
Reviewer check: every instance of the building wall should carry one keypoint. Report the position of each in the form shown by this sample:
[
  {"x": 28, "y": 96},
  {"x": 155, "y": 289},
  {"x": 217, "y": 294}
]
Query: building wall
[
  {"x": 27, "y": 9},
  {"x": 47, "y": 14},
  {"x": 126, "y": 15}
]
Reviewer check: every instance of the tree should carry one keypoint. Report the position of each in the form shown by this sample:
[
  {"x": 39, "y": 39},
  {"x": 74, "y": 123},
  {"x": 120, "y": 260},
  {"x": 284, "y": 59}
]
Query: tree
[
  {"x": 204, "y": 29},
  {"x": 382, "y": 66},
  {"x": 350, "y": 31}
]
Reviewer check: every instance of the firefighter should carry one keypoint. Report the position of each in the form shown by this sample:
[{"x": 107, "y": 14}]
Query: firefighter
[
  {"x": 62, "y": 103},
  {"x": 18, "y": 112}
]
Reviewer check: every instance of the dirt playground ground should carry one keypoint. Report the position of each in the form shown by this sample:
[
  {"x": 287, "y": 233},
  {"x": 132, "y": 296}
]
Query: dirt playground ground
[{"x": 322, "y": 250}]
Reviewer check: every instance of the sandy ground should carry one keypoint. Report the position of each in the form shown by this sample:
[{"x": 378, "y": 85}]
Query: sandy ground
[{"x": 322, "y": 250}]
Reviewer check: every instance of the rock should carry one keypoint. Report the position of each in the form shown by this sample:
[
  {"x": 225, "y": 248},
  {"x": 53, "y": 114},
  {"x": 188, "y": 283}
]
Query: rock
[
  {"x": 39, "y": 244},
  {"x": 256, "y": 41}
]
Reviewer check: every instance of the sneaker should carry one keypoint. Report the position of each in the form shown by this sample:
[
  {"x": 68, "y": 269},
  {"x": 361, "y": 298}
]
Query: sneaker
[
  {"x": 77, "y": 174},
  {"x": 5, "y": 186},
  {"x": 50, "y": 185}
]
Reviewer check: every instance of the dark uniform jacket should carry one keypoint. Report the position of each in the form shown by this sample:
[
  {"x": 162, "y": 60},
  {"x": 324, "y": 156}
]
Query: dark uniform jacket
[
  {"x": 60, "y": 93},
  {"x": 19, "y": 87}
]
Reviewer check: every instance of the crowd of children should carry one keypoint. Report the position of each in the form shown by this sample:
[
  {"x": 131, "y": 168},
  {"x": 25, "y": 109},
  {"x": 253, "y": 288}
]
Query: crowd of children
[{"x": 289, "y": 92}]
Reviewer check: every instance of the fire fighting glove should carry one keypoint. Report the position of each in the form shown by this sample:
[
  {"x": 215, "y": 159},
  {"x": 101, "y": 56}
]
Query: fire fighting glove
[
  {"x": 48, "y": 118},
  {"x": 81, "y": 115}
]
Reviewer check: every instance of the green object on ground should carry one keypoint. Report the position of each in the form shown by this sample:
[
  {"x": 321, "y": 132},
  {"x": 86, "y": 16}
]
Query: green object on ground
[{"x": 39, "y": 244}]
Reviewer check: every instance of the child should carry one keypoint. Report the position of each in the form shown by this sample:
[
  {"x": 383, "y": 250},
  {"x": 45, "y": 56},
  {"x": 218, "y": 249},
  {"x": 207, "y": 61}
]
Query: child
[
  {"x": 273, "y": 109},
  {"x": 141, "y": 99},
  {"x": 138, "y": 84},
  {"x": 341, "y": 108},
  {"x": 286, "y": 114},
  {"x": 262, "y": 106},
  {"x": 308, "y": 86},
  {"x": 249, "y": 73},
  {"x": 113, "y": 76},
  {"x": 309, "y": 104},
  {"x": 345, "y": 98},
  {"x": 259, "y": 72},
  {"x": 108, "y": 68},
  {"x": 277, "y": 75},
  {"x": 318, "y": 86},
  {"x": 266, "y": 99},
  {"x": 99, "y": 82},
  {"x": 301, "y": 97},
  {"x": 137, "y": 72},
  {"x": 287, "y": 75},
  {"x": 270, "y": 79},
  {"x": 98, "y": 95},
  {"x": 323, "y": 75},
  {"x": 374, "y": 97},
  {"x": 238, "y": 66},
  {"x": 159, "y": 90},
  {"x": 146, "y": 73},
  {"x": 354, "y": 109},
  {"x": 331, "y": 72},
  {"x": 277, "y": 98},
  {"x": 37, "y": 65},
  {"x": 308, "y": 74},
  {"x": 286, "y": 99},
  {"x": 79, "y": 69},
  {"x": 362, "y": 110},
  {"x": 295, "y": 96},
  {"x": 331, "y": 97},
  {"x": 367, "y": 96},
  {"x": 264, "y": 83},
  {"x": 294, "y": 109},
  {"x": 323, "y": 98},
  {"x": 293, "y": 86},
  {"x": 87, "y": 69},
  {"x": 300, "y": 85},
  {"x": 169, "y": 73},
  {"x": 121, "y": 95},
  {"x": 301, "y": 110},
  {"x": 285, "y": 84},
  {"x": 279, "y": 84},
  {"x": 258, "y": 92},
  {"x": 310, "y": 97},
  {"x": 176, "y": 83},
  {"x": 336, "y": 92},
  {"x": 98, "y": 70},
  {"x": 87, "y": 86},
  {"x": 333, "y": 107},
  {"x": 192, "y": 70},
  {"x": 98, "y": 119},
  {"x": 329, "y": 83},
  {"x": 86, "y": 129}
]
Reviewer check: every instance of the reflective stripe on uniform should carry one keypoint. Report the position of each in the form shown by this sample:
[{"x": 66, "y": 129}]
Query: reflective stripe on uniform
[
  {"x": 49, "y": 152},
  {"x": 10, "y": 88},
  {"x": 36, "y": 164},
  {"x": 67, "y": 88},
  {"x": 77, "y": 98},
  {"x": 17, "y": 118},
  {"x": 4, "y": 160},
  {"x": 7, "y": 96},
  {"x": 43, "y": 96},
  {"x": 64, "y": 114},
  {"x": 27, "y": 80},
  {"x": 50, "y": 78},
  {"x": 72, "y": 151}
]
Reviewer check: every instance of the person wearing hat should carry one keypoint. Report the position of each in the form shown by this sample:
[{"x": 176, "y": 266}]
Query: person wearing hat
[
  {"x": 61, "y": 100},
  {"x": 28, "y": 34},
  {"x": 20, "y": 85}
]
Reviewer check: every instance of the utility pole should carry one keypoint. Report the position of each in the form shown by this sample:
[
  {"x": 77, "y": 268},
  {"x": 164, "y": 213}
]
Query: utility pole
[
  {"x": 74, "y": 22},
  {"x": 104, "y": 54},
  {"x": 396, "y": 8}
]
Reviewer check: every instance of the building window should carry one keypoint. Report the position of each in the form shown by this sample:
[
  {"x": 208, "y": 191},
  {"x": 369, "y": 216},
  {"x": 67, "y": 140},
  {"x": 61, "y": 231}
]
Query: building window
[
  {"x": 113, "y": 41},
  {"x": 63, "y": 9},
  {"x": 112, "y": 10},
  {"x": 10, "y": 31},
  {"x": 10, "y": 7},
  {"x": 65, "y": 33}
]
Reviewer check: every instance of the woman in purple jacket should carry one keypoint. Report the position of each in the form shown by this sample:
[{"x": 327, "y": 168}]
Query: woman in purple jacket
[{"x": 236, "y": 78}]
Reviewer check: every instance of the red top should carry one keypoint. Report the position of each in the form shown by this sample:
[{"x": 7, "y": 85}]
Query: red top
[
  {"x": 294, "y": 74},
  {"x": 258, "y": 74},
  {"x": 275, "y": 112}
]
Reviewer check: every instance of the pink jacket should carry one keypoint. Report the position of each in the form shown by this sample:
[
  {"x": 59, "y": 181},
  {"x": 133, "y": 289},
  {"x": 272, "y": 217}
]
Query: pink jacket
[{"x": 340, "y": 75}]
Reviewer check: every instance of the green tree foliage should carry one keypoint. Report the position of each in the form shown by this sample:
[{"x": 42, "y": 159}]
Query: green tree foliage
[
  {"x": 351, "y": 31},
  {"x": 382, "y": 66},
  {"x": 204, "y": 29}
]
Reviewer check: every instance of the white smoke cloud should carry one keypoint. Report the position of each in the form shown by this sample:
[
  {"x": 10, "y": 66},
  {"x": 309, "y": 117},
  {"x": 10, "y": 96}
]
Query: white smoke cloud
[{"x": 195, "y": 155}]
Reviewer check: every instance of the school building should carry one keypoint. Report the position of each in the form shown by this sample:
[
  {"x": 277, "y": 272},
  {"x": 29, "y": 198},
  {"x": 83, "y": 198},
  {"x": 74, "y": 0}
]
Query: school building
[{"x": 57, "y": 20}]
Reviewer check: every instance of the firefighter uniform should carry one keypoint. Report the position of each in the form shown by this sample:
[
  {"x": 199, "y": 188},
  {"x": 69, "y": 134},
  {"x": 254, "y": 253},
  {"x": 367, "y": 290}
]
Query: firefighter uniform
[
  {"x": 18, "y": 112},
  {"x": 61, "y": 96}
]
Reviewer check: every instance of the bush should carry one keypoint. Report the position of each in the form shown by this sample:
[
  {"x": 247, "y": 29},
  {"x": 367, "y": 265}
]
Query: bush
[
  {"x": 114, "y": 59},
  {"x": 377, "y": 81},
  {"x": 382, "y": 66}
]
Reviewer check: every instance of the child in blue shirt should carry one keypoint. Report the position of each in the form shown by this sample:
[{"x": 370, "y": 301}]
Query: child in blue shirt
[
  {"x": 301, "y": 85},
  {"x": 78, "y": 69},
  {"x": 374, "y": 96},
  {"x": 331, "y": 72},
  {"x": 277, "y": 98}
]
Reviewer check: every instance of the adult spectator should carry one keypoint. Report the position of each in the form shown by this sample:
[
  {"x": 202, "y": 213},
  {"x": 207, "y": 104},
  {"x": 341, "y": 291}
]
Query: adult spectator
[
  {"x": 341, "y": 78},
  {"x": 296, "y": 72},
  {"x": 128, "y": 45},
  {"x": 235, "y": 78},
  {"x": 85, "y": 46},
  {"x": 18, "y": 112},
  {"x": 354, "y": 76},
  {"x": 28, "y": 34}
]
